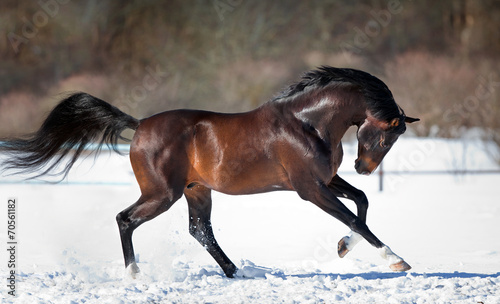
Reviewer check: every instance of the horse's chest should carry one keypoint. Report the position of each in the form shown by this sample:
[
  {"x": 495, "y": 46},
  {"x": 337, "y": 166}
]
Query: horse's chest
[{"x": 326, "y": 165}]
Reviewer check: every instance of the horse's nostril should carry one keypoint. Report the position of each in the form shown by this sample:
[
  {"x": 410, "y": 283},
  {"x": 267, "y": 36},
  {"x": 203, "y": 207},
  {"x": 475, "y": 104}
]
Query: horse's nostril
[
  {"x": 361, "y": 168},
  {"x": 357, "y": 164}
]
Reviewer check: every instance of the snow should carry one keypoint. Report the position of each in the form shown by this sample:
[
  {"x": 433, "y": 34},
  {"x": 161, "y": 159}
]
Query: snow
[{"x": 445, "y": 226}]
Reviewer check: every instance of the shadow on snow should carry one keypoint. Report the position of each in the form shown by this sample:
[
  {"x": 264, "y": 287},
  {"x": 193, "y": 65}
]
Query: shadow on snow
[{"x": 393, "y": 275}]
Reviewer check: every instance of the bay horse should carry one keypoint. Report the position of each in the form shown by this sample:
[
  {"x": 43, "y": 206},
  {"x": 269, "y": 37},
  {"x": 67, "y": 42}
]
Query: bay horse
[{"x": 292, "y": 142}]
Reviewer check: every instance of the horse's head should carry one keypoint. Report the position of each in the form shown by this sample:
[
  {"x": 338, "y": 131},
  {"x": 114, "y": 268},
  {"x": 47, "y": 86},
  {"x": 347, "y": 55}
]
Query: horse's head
[{"x": 375, "y": 139}]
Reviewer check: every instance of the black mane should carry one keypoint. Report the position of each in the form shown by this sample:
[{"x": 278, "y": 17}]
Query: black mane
[{"x": 378, "y": 97}]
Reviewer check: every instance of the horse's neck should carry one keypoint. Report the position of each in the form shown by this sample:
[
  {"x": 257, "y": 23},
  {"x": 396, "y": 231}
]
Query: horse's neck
[{"x": 330, "y": 112}]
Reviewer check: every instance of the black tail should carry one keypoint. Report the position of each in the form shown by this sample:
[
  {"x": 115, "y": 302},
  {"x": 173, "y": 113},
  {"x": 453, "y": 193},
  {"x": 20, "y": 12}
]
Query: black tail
[{"x": 74, "y": 123}]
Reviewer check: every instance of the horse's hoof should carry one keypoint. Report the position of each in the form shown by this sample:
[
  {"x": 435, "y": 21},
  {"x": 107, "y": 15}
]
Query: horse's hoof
[
  {"x": 132, "y": 270},
  {"x": 400, "y": 266},
  {"x": 342, "y": 247}
]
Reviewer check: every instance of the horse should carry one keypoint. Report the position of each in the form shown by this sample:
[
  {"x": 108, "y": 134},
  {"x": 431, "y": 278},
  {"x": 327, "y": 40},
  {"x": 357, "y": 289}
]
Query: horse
[{"x": 292, "y": 142}]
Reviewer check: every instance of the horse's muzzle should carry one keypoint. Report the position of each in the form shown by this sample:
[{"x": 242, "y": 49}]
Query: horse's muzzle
[{"x": 363, "y": 167}]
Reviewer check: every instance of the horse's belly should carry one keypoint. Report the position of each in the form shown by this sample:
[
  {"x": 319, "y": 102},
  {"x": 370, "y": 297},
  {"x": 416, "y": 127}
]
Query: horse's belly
[{"x": 241, "y": 178}]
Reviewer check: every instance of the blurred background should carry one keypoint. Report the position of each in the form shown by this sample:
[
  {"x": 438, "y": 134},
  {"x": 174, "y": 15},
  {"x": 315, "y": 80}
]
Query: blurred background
[{"x": 440, "y": 59}]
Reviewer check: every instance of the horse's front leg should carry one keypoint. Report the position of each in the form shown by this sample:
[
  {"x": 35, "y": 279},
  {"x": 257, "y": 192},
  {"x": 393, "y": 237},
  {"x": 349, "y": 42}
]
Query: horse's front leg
[
  {"x": 322, "y": 196},
  {"x": 341, "y": 188}
]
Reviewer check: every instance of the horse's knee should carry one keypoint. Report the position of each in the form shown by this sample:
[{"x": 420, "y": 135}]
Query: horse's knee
[
  {"x": 198, "y": 235},
  {"x": 361, "y": 199},
  {"x": 201, "y": 231},
  {"x": 362, "y": 204},
  {"x": 197, "y": 230},
  {"x": 193, "y": 229}
]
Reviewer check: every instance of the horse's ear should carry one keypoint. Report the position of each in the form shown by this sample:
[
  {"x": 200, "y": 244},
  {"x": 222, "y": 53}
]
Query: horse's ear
[
  {"x": 394, "y": 122},
  {"x": 410, "y": 119}
]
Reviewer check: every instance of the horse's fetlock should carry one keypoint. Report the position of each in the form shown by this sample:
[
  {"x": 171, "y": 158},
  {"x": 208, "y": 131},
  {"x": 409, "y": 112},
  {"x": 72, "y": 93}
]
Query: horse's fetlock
[{"x": 363, "y": 201}]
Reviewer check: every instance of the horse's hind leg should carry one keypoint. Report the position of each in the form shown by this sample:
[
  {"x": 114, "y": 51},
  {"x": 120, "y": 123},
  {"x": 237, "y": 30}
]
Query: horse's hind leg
[
  {"x": 145, "y": 209},
  {"x": 160, "y": 171},
  {"x": 200, "y": 206}
]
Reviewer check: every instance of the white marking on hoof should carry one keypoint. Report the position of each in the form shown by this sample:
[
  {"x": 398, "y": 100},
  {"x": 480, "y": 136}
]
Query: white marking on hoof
[
  {"x": 396, "y": 263},
  {"x": 352, "y": 240},
  {"x": 132, "y": 270},
  {"x": 386, "y": 253}
]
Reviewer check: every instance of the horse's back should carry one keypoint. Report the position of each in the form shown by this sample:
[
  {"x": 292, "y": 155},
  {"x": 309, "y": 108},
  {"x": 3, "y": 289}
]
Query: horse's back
[{"x": 231, "y": 153}]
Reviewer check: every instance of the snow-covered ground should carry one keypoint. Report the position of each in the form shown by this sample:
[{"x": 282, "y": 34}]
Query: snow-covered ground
[{"x": 446, "y": 227}]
